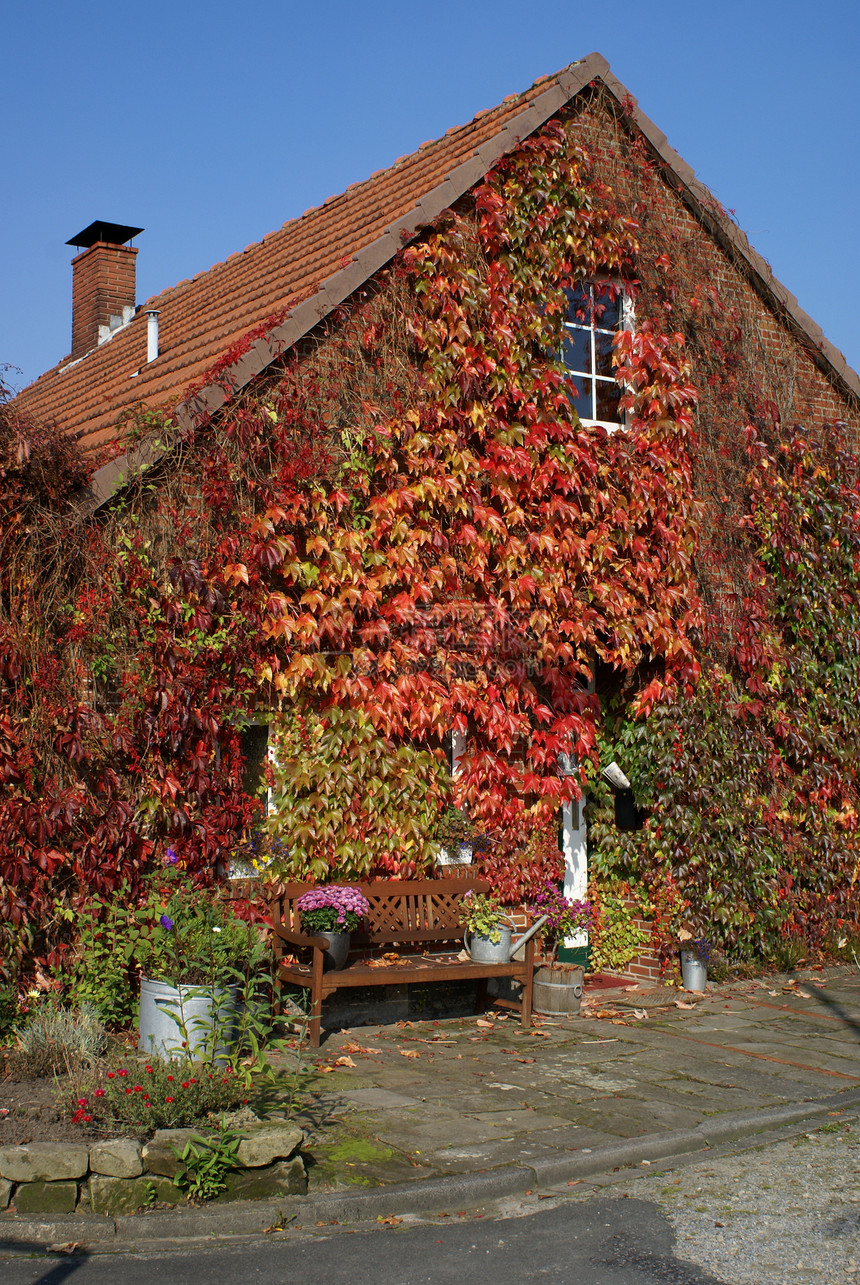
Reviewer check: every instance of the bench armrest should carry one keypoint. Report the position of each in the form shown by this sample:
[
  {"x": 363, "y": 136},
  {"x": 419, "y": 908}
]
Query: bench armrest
[{"x": 299, "y": 939}]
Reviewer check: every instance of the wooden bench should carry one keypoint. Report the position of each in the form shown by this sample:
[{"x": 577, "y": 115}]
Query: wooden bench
[{"x": 415, "y": 922}]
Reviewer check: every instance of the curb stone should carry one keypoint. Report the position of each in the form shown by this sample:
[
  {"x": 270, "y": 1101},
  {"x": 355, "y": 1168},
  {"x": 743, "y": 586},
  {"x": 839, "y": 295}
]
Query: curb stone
[{"x": 424, "y": 1195}]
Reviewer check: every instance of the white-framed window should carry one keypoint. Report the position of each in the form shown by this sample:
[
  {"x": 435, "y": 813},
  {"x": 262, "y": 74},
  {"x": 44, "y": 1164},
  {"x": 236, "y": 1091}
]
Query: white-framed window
[{"x": 595, "y": 311}]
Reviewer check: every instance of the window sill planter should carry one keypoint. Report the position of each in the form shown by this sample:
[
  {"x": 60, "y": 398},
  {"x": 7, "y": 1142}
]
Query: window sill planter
[
  {"x": 186, "y": 1021},
  {"x": 457, "y": 855}
]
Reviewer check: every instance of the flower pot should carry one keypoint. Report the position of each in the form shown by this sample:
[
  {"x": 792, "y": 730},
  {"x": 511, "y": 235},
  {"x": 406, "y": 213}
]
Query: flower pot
[
  {"x": 558, "y": 989},
  {"x": 193, "y": 1021},
  {"x": 456, "y": 855},
  {"x": 338, "y": 949},
  {"x": 694, "y": 973},
  {"x": 485, "y": 951}
]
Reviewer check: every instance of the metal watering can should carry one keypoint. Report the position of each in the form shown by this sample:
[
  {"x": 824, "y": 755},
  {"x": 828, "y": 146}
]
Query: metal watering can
[{"x": 485, "y": 951}]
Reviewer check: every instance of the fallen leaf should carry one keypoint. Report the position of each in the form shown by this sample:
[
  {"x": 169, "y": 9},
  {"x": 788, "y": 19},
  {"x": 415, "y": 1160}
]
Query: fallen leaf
[
  {"x": 67, "y": 1247},
  {"x": 679, "y": 1003},
  {"x": 525, "y": 1059},
  {"x": 344, "y": 1061},
  {"x": 486, "y": 1025},
  {"x": 324, "y": 1070},
  {"x": 641, "y": 1014},
  {"x": 390, "y": 1221},
  {"x": 719, "y": 1224},
  {"x": 628, "y": 989},
  {"x": 408, "y": 1053}
]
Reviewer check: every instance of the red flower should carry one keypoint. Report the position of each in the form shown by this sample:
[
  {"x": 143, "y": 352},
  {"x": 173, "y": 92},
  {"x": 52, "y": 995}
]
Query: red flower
[
  {"x": 82, "y": 1102},
  {"x": 149, "y": 1069},
  {"x": 128, "y": 1090},
  {"x": 111, "y": 1075},
  {"x": 122, "y": 1072},
  {"x": 138, "y": 1088},
  {"x": 185, "y": 1083},
  {"x": 100, "y": 1093},
  {"x": 168, "y": 1099},
  {"x": 170, "y": 1077}
]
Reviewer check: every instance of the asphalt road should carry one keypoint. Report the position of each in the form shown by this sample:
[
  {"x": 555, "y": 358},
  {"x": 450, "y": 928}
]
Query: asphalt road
[{"x": 600, "y": 1242}]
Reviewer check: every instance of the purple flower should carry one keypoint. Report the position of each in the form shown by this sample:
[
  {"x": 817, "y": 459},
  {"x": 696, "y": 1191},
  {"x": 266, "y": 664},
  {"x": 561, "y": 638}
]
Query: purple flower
[
  {"x": 171, "y": 857},
  {"x": 166, "y": 922}
]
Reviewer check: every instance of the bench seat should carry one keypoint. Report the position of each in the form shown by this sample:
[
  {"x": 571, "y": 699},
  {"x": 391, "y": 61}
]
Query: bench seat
[{"x": 416, "y": 920}]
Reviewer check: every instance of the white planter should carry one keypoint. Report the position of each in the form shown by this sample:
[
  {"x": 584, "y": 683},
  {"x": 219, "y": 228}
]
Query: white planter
[
  {"x": 461, "y": 857},
  {"x": 192, "y": 1021}
]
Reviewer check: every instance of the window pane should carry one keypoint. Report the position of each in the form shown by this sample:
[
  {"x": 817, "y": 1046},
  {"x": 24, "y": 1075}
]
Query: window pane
[
  {"x": 579, "y": 304},
  {"x": 607, "y": 311},
  {"x": 603, "y": 354},
  {"x": 576, "y": 350},
  {"x": 608, "y": 397},
  {"x": 581, "y": 396}
]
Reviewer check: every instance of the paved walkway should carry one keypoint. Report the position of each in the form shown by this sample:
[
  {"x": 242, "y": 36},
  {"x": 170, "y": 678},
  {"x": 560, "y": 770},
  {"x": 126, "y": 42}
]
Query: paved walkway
[
  {"x": 453, "y": 1115},
  {"x": 653, "y": 1071}
]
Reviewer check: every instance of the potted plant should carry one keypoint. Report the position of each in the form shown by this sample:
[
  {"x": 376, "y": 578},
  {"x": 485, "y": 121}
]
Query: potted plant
[
  {"x": 192, "y": 952},
  {"x": 695, "y": 952},
  {"x": 488, "y": 927},
  {"x": 455, "y": 836},
  {"x": 558, "y": 987},
  {"x": 333, "y": 911}
]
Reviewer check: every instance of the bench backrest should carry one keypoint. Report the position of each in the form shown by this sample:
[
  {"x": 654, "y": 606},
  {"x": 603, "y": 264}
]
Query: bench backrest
[{"x": 402, "y": 912}]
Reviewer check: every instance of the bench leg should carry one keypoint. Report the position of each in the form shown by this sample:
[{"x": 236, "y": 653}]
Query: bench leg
[
  {"x": 316, "y": 998},
  {"x": 481, "y": 998},
  {"x": 528, "y": 983}
]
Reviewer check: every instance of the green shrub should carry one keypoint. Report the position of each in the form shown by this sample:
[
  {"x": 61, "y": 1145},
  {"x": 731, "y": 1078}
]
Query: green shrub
[
  {"x": 615, "y": 939},
  {"x": 8, "y": 1013},
  {"x": 54, "y": 1039},
  {"x": 205, "y": 1163}
]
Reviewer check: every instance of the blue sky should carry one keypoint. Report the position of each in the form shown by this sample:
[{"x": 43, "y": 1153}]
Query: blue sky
[{"x": 211, "y": 123}]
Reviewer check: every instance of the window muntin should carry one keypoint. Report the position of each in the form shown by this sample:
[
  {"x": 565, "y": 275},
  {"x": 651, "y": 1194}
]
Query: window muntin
[{"x": 595, "y": 311}]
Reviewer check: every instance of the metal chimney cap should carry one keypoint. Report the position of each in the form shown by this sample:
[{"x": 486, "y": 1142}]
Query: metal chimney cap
[{"x": 114, "y": 233}]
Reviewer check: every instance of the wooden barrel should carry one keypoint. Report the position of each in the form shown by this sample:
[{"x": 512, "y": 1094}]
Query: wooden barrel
[{"x": 558, "y": 989}]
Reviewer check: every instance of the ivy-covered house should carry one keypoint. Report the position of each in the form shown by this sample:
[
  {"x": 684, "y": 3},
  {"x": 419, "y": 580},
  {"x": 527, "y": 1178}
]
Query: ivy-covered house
[{"x": 516, "y": 450}]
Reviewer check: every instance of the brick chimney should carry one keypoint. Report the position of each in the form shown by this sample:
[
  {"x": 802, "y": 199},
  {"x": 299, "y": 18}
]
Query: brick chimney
[{"x": 102, "y": 283}]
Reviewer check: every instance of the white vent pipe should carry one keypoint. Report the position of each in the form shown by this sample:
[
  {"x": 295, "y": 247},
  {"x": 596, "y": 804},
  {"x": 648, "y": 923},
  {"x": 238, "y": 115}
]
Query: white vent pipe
[{"x": 151, "y": 335}]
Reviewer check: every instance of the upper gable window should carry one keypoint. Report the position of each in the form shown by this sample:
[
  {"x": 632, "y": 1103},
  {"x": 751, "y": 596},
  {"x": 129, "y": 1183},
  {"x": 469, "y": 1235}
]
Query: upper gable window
[{"x": 595, "y": 311}]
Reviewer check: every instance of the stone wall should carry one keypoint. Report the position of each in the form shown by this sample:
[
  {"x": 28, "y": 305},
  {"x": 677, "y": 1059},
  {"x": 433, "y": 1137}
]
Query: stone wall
[{"x": 119, "y": 1175}]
